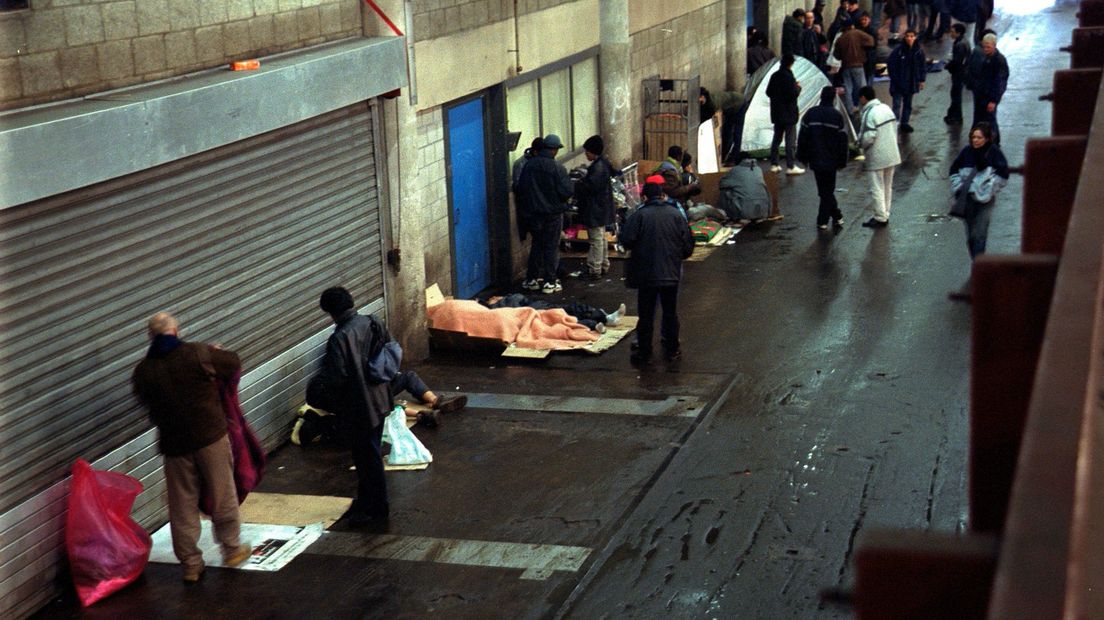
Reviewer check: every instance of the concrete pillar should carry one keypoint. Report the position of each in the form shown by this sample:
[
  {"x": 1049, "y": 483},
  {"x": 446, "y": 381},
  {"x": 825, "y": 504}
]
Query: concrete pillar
[
  {"x": 615, "y": 71},
  {"x": 735, "y": 44},
  {"x": 776, "y": 12},
  {"x": 405, "y": 279}
]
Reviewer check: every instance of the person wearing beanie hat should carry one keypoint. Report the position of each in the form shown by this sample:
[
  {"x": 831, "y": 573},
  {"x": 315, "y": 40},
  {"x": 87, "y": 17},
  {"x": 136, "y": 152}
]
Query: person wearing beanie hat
[
  {"x": 659, "y": 239},
  {"x": 542, "y": 191},
  {"x": 594, "y": 195},
  {"x": 822, "y": 145}
]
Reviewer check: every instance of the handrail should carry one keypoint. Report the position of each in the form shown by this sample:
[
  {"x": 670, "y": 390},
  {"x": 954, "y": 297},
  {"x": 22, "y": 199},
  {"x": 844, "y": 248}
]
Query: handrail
[{"x": 1052, "y": 555}]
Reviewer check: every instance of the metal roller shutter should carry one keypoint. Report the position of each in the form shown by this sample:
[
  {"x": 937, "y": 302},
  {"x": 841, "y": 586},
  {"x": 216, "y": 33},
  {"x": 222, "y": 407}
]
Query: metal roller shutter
[{"x": 237, "y": 242}]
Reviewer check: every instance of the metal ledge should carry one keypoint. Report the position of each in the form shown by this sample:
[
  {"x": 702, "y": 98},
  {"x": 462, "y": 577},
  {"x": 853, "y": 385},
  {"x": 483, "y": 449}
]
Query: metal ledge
[{"x": 52, "y": 149}]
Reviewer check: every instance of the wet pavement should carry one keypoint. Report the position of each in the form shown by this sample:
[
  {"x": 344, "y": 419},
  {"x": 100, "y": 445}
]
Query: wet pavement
[{"x": 823, "y": 393}]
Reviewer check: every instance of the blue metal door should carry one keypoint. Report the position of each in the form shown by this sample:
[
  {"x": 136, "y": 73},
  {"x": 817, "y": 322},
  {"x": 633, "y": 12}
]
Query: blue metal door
[{"x": 468, "y": 191}]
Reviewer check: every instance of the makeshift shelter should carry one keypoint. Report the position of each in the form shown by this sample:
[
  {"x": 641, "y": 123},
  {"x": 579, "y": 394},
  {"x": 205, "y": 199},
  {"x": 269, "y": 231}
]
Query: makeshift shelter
[{"x": 757, "y": 130}]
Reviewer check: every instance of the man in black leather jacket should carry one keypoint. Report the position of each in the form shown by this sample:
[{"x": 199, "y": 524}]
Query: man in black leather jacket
[
  {"x": 542, "y": 191},
  {"x": 343, "y": 387}
]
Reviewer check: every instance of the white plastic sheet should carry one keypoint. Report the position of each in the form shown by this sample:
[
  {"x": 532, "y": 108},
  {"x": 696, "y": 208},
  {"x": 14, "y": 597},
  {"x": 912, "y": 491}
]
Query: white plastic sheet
[{"x": 406, "y": 449}]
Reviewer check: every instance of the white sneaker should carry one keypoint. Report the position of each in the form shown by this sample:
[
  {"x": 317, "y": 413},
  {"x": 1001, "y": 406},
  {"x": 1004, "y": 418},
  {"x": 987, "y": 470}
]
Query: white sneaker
[
  {"x": 532, "y": 285},
  {"x": 776, "y": 168},
  {"x": 860, "y": 157},
  {"x": 796, "y": 170}
]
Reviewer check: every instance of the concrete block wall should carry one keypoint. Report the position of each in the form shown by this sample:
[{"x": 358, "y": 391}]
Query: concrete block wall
[
  {"x": 691, "y": 44},
  {"x": 433, "y": 193},
  {"x": 60, "y": 49},
  {"x": 438, "y": 18}
]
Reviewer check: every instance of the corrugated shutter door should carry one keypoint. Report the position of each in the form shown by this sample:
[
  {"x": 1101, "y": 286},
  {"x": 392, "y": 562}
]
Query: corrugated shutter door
[{"x": 237, "y": 242}]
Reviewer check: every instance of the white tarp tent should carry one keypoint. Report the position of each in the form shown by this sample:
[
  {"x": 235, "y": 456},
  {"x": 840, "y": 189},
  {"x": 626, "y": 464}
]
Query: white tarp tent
[{"x": 757, "y": 127}]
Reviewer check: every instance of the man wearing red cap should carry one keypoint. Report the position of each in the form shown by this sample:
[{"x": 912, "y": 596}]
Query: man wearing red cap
[{"x": 659, "y": 238}]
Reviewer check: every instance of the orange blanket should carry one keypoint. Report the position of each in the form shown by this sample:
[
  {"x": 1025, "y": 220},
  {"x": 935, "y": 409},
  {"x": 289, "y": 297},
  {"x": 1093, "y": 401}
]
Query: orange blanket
[{"x": 528, "y": 327}]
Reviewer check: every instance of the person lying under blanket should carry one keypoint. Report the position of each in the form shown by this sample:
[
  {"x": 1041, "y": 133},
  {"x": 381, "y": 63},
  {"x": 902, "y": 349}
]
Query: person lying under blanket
[
  {"x": 594, "y": 318},
  {"x": 528, "y": 328}
]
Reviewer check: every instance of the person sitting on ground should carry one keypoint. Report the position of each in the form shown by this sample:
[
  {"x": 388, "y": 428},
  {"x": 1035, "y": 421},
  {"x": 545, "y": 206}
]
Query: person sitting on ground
[
  {"x": 744, "y": 195},
  {"x": 688, "y": 176},
  {"x": 670, "y": 169},
  {"x": 594, "y": 318},
  {"x": 314, "y": 424}
]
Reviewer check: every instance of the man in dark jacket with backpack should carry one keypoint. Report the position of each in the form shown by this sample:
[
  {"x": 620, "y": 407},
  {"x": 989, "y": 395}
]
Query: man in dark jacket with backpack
[
  {"x": 542, "y": 191},
  {"x": 595, "y": 197},
  {"x": 345, "y": 386},
  {"x": 659, "y": 239},
  {"x": 822, "y": 145}
]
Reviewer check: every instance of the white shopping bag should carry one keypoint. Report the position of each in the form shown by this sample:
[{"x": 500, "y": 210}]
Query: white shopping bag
[{"x": 405, "y": 447}]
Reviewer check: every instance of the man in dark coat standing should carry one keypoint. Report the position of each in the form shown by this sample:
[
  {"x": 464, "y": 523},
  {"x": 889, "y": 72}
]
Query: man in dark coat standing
[
  {"x": 595, "y": 197},
  {"x": 960, "y": 56},
  {"x": 176, "y": 381},
  {"x": 783, "y": 89},
  {"x": 907, "y": 71},
  {"x": 791, "y": 32},
  {"x": 989, "y": 83},
  {"x": 659, "y": 239},
  {"x": 543, "y": 189},
  {"x": 343, "y": 386},
  {"x": 822, "y": 145}
]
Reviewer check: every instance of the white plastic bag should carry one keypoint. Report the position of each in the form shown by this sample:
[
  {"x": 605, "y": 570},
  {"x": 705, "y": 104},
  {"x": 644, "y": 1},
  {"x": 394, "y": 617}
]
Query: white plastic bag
[{"x": 405, "y": 447}]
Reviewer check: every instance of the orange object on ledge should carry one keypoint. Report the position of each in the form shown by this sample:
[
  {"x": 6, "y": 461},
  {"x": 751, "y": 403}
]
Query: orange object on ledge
[{"x": 245, "y": 65}]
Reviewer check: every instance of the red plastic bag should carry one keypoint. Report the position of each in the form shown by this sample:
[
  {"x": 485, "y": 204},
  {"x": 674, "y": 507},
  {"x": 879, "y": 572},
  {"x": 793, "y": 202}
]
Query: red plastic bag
[{"x": 107, "y": 549}]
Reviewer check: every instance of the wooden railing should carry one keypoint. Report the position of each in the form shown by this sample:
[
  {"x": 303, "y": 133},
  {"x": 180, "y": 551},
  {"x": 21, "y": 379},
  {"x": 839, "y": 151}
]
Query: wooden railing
[{"x": 1035, "y": 543}]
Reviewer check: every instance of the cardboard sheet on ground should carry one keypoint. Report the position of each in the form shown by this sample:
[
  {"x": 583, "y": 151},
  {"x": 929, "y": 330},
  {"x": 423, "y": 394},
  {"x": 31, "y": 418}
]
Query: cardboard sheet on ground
[
  {"x": 288, "y": 509},
  {"x": 606, "y": 341},
  {"x": 273, "y": 545}
]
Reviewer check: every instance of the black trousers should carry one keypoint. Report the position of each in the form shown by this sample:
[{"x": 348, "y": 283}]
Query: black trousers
[
  {"x": 826, "y": 189},
  {"x": 364, "y": 443},
  {"x": 544, "y": 253},
  {"x": 981, "y": 113},
  {"x": 955, "y": 111},
  {"x": 646, "y": 297}
]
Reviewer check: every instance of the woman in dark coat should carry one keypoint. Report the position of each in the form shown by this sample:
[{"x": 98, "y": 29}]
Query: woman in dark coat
[
  {"x": 783, "y": 89},
  {"x": 977, "y": 175}
]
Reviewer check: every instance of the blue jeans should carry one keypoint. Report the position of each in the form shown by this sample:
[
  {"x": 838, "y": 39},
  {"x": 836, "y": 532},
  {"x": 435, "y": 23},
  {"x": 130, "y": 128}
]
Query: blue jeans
[
  {"x": 977, "y": 225},
  {"x": 902, "y": 107},
  {"x": 790, "y": 132},
  {"x": 854, "y": 78}
]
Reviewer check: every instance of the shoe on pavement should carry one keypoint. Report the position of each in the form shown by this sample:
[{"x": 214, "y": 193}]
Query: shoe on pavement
[
  {"x": 448, "y": 404},
  {"x": 860, "y": 157},
  {"x": 640, "y": 358},
  {"x": 795, "y": 170},
  {"x": 822, "y": 226},
  {"x": 193, "y": 576},
  {"x": 875, "y": 223},
  {"x": 776, "y": 168},
  {"x": 237, "y": 558},
  {"x": 600, "y": 328},
  {"x": 838, "y": 222},
  {"x": 906, "y": 128},
  {"x": 429, "y": 419},
  {"x": 532, "y": 285}
]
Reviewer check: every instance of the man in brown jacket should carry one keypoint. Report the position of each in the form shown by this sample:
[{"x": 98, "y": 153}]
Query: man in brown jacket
[
  {"x": 851, "y": 48},
  {"x": 176, "y": 382}
]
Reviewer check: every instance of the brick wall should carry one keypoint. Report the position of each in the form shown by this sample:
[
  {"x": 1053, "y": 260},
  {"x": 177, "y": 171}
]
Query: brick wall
[
  {"x": 433, "y": 190},
  {"x": 66, "y": 48},
  {"x": 689, "y": 45},
  {"x": 437, "y": 18}
]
